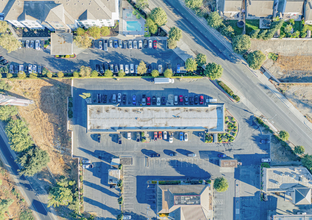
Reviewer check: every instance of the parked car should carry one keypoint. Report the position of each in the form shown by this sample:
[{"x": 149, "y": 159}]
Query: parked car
[
  {"x": 110, "y": 43},
  {"x": 127, "y": 69},
  {"x": 20, "y": 68},
  {"x": 4, "y": 62},
  {"x": 149, "y": 69},
  {"x": 138, "y": 137},
  {"x": 120, "y": 43},
  {"x": 105, "y": 45},
  {"x": 180, "y": 99},
  {"x": 32, "y": 43},
  {"x": 37, "y": 45},
  {"x": 154, "y": 100},
  {"x": 99, "y": 138},
  {"x": 34, "y": 68},
  {"x": 105, "y": 99},
  {"x": 86, "y": 161},
  {"x": 170, "y": 138},
  {"x": 130, "y": 44},
  {"x": 196, "y": 100},
  {"x": 136, "y": 68},
  {"x": 165, "y": 135},
  {"x": 135, "y": 44},
  {"x": 181, "y": 136},
  {"x": 160, "y": 135},
  {"x": 201, "y": 100},
  {"x": 125, "y": 44},
  {"x": 155, "y": 44},
  {"x": 99, "y": 98},
  {"x": 172, "y": 154},
  {"x": 185, "y": 136},
  {"x": 145, "y": 43},
  {"x": 266, "y": 160},
  {"x": 163, "y": 100},
  {"x": 143, "y": 99},
  {"x": 101, "y": 69},
  {"x": 116, "y": 68},
  {"x": 102, "y": 98},
  {"x": 116, "y": 43},
  {"x": 150, "y": 44},
  {"x": 140, "y": 44},
  {"x": 222, "y": 155},
  {"x": 155, "y": 155},
  {"x": 105, "y": 66},
  {"x": 100, "y": 45},
  {"x": 97, "y": 67},
  {"x": 87, "y": 166},
  {"x": 160, "y": 68},
  {"x": 186, "y": 100},
  {"x": 178, "y": 68},
  {"x": 39, "y": 70},
  {"x": 191, "y": 155},
  {"x": 124, "y": 98},
  {"x": 191, "y": 100},
  {"x": 119, "y": 97},
  {"x": 176, "y": 100},
  {"x": 155, "y": 135},
  {"x": 111, "y": 67},
  {"x": 121, "y": 67},
  {"x": 114, "y": 98},
  {"x": 148, "y": 100},
  {"x": 264, "y": 141},
  {"x": 158, "y": 101},
  {"x": 129, "y": 135},
  {"x": 119, "y": 139},
  {"x": 131, "y": 68},
  {"x": 134, "y": 100},
  {"x": 29, "y": 68},
  {"x": 27, "y": 43}
]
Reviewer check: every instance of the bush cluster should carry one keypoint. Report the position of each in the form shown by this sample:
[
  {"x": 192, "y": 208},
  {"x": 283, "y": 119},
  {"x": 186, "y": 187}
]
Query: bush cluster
[{"x": 229, "y": 91}]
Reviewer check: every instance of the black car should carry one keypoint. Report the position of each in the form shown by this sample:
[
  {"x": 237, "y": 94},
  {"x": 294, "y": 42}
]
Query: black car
[
  {"x": 191, "y": 100},
  {"x": 99, "y": 98},
  {"x": 105, "y": 99},
  {"x": 163, "y": 100},
  {"x": 4, "y": 62},
  {"x": 1, "y": 58},
  {"x": 101, "y": 69},
  {"x": 138, "y": 139},
  {"x": 186, "y": 100},
  {"x": 196, "y": 99},
  {"x": 102, "y": 98},
  {"x": 124, "y": 98},
  {"x": 99, "y": 138},
  {"x": 149, "y": 70},
  {"x": 145, "y": 43},
  {"x": 154, "y": 100},
  {"x": 155, "y": 155}
]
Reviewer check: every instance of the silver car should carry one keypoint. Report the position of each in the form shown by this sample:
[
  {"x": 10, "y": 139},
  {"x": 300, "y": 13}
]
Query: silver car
[
  {"x": 135, "y": 44},
  {"x": 150, "y": 44},
  {"x": 131, "y": 68},
  {"x": 37, "y": 45},
  {"x": 158, "y": 100},
  {"x": 125, "y": 44},
  {"x": 34, "y": 68},
  {"x": 136, "y": 69},
  {"x": 127, "y": 69},
  {"x": 29, "y": 68},
  {"x": 119, "y": 98},
  {"x": 27, "y": 43},
  {"x": 20, "y": 68},
  {"x": 120, "y": 43},
  {"x": 160, "y": 68},
  {"x": 111, "y": 67},
  {"x": 114, "y": 98},
  {"x": 116, "y": 68},
  {"x": 130, "y": 44},
  {"x": 140, "y": 44},
  {"x": 110, "y": 43},
  {"x": 32, "y": 43}
]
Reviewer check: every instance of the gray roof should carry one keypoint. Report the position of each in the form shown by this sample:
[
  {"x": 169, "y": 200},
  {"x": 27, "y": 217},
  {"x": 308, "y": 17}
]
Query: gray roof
[
  {"x": 302, "y": 196},
  {"x": 232, "y": 6},
  {"x": 307, "y": 11},
  {"x": 260, "y": 8},
  {"x": 61, "y": 44}
]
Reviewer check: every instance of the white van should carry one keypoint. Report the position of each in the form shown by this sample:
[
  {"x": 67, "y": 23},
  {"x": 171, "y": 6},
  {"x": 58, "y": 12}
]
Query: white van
[
  {"x": 163, "y": 80},
  {"x": 191, "y": 155},
  {"x": 266, "y": 160}
]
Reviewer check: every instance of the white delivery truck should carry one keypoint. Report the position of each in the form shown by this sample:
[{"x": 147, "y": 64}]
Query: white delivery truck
[{"x": 163, "y": 80}]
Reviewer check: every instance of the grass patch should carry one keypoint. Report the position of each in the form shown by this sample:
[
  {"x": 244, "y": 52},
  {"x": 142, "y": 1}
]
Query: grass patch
[
  {"x": 297, "y": 26},
  {"x": 251, "y": 25},
  {"x": 233, "y": 24}
]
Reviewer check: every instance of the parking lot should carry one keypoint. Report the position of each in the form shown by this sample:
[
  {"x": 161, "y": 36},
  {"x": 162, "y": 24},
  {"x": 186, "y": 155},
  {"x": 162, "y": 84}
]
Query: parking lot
[{"x": 139, "y": 200}]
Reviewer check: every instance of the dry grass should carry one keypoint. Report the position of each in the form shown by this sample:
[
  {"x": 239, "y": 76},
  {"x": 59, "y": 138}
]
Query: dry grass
[{"x": 291, "y": 63}]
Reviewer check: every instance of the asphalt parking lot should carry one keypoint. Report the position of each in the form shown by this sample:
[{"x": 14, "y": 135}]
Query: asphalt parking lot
[{"x": 140, "y": 203}]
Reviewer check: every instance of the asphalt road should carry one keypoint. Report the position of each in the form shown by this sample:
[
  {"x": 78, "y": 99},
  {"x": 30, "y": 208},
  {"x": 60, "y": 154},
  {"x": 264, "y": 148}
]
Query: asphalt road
[
  {"x": 39, "y": 208},
  {"x": 258, "y": 95}
]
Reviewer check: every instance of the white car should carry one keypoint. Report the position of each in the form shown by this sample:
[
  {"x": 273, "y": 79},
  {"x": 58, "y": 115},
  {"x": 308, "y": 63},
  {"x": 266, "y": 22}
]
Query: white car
[
  {"x": 37, "y": 45},
  {"x": 158, "y": 101},
  {"x": 266, "y": 160},
  {"x": 121, "y": 67},
  {"x": 87, "y": 166},
  {"x": 170, "y": 139},
  {"x": 140, "y": 44},
  {"x": 160, "y": 68},
  {"x": 20, "y": 68},
  {"x": 131, "y": 68},
  {"x": 127, "y": 69},
  {"x": 86, "y": 161},
  {"x": 29, "y": 68},
  {"x": 129, "y": 135},
  {"x": 150, "y": 44},
  {"x": 130, "y": 44},
  {"x": 185, "y": 136},
  {"x": 119, "y": 98},
  {"x": 165, "y": 135},
  {"x": 34, "y": 68},
  {"x": 135, "y": 44}
]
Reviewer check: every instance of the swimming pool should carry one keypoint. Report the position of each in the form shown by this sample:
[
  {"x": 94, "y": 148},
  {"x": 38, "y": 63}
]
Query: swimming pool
[{"x": 134, "y": 26}]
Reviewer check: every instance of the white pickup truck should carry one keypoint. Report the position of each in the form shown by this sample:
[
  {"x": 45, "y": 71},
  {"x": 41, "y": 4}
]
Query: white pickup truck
[{"x": 163, "y": 80}]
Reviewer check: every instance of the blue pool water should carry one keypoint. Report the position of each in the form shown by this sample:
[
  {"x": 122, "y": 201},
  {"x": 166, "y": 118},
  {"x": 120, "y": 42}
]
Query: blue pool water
[{"x": 134, "y": 26}]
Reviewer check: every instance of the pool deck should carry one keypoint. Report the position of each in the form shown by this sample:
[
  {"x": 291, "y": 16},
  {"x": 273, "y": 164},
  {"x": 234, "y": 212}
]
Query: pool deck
[{"x": 128, "y": 16}]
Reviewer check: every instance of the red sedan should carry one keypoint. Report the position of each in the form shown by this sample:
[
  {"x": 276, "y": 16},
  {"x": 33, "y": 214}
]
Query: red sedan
[
  {"x": 180, "y": 99},
  {"x": 148, "y": 100},
  {"x": 160, "y": 135},
  {"x": 155, "y": 44},
  {"x": 201, "y": 100}
]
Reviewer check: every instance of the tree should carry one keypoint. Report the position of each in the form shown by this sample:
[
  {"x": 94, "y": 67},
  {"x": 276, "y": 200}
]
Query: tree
[
  {"x": 155, "y": 73},
  {"x": 175, "y": 33},
  {"x": 221, "y": 184},
  {"x": 4, "y": 205},
  {"x": 7, "y": 111},
  {"x": 33, "y": 161},
  {"x": 142, "y": 68},
  {"x": 190, "y": 65},
  {"x": 256, "y": 59},
  {"x": 33, "y": 75},
  {"x": 153, "y": 28},
  {"x": 254, "y": 33},
  {"x": 85, "y": 95},
  {"x": 105, "y": 31},
  {"x": 193, "y": 4},
  {"x": 94, "y": 32},
  {"x": 9, "y": 42},
  {"x": 75, "y": 74},
  {"x": 80, "y": 31},
  {"x": 168, "y": 73},
  {"x": 241, "y": 44},
  {"x": 172, "y": 44},
  {"x": 307, "y": 162},
  {"x": 121, "y": 73},
  {"x": 85, "y": 71},
  {"x": 299, "y": 150},
  {"x": 214, "y": 20},
  {"x": 201, "y": 59},
  {"x": 49, "y": 75},
  {"x": 4, "y": 86},
  {"x": 213, "y": 71},
  {"x": 108, "y": 73},
  {"x": 26, "y": 215},
  {"x": 3, "y": 26},
  {"x": 60, "y": 74},
  {"x": 284, "y": 135},
  {"x": 159, "y": 16},
  {"x": 83, "y": 41},
  {"x": 227, "y": 31},
  {"x": 9, "y": 75},
  {"x": 21, "y": 75},
  {"x": 262, "y": 34},
  {"x": 141, "y": 4},
  {"x": 61, "y": 193},
  {"x": 288, "y": 29},
  {"x": 94, "y": 73}
]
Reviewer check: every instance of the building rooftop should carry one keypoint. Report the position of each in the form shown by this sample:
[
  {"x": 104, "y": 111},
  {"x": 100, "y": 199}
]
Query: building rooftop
[
  {"x": 228, "y": 163},
  {"x": 61, "y": 44},
  {"x": 259, "y": 8},
  {"x": 308, "y": 10},
  {"x": 111, "y": 118},
  {"x": 113, "y": 176},
  {"x": 292, "y": 217},
  {"x": 232, "y": 6}
]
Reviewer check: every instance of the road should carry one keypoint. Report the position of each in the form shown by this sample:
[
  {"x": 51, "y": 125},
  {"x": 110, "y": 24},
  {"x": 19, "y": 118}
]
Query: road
[
  {"x": 39, "y": 209},
  {"x": 257, "y": 95}
]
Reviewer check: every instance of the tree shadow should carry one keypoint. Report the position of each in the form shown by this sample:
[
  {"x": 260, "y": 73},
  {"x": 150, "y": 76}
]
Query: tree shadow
[
  {"x": 148, "y": 152},
  {"x": 189, "y": 170},
  {"x": 100, "y": 188},
  {"x": 102, "y": 206},
  {"x": 184, "y": 152}
]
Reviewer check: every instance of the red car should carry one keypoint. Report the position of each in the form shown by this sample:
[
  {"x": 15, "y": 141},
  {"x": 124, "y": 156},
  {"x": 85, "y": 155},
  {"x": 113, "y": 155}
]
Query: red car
[
  {"x": 148, "y": 101},
  {"x": 201, "y": 100},
  {"x": 155, "y": 136},
  {"x": 155, "y": 44},
  {"x": 160, "y": 135},
  {"x": 180, "y": 99}
]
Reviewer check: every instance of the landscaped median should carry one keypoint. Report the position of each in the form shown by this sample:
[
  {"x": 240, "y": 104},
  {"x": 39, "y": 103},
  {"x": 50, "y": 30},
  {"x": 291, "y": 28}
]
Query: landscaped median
[{"x": 228, "y": 90}]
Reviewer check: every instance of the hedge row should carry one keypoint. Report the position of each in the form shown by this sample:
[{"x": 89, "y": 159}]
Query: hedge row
[{"x": 228, "y": 90}]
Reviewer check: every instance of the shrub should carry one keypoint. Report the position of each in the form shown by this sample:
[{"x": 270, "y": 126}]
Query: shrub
[
  {"x": 94, "y": 73},
  {"x": 284, "y": 135},
  {"x": 105, "y": 31},
  {"x": 108, "y": 73},
  {"x": 33, "y": 75},
  {"x": 273, "y": 56},
  {"x": 226, "y": 88},
  {"x": 155, "y": 73},
  {"x": 213, "y": 71},
  {"x": 256, "y": 59},
  {"x": 75, "y": 74},
  {"x": 94, "y": 32},
  {"x": 221, "y": 184},
  {"x": 236, "y": 97},
  {"x": 190, "y": 65},
  {"x": 80, "y": 31},
  {"x": 262, "y": 34},
  {"x": 49, "y": 75},
  {"x": 168, "y": 73},
  {"x": 299, "y": 150},
  {"x": 85, "y": 71},
  {"x": 254, "y": 33},
  {"x": 214, "y": 20},
  {"x": 193, "y": 4},
  {"x": 172, "y": 44},
  {"x": 67, "y": 56},
  {"x": 9, "y": 75},
  {"x": 227, "y": 31},
  {"x": 21, "y": 75},
  {"x": 241, "y": 44},
  {"x": 121, "y": 73},
  {"x": 60, "y": 74}
]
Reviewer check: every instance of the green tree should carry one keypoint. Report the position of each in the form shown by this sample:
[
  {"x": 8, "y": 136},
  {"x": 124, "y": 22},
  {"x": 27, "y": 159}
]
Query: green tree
[
  {"x": 75, "y": 74},
  {"x": 141, "y": 4},
  {"x": 80, "y": 31},
  {"x": 60, "y": 74},
  {"x": 85, "y": 71},
  {"x": 254, "y": 33},
  {"x": 213, "y": 71},
  {"x": 142, "y": 68},
  {"x": 94, "y": 32},
  {"x": 49, "y": 75},
  {"x": 33, "y": 161},
  {"x": 172, "y": 44},
  {"x": 175, "y": 33},
  {"x": 4, "y": 206},
  {"x": 26, "y": 215},
  {"x": 155, "y": 73},
  {"x": 262, "y": 34},
  {"x": 9, "y": 42},
  {"x": 270, "y": 34},
  {"x": 307, "y": 162},
  {"x": 221, "y": 184},
  {"x": 227, "y": 31},
  {"x": 3, "y": 26},
  {"x": 83, "y": 41},
  {"x": 299, "y": 150},
  {"x": 159, "y": 16},
  {"x": 4, "y": 86},
  {"x": 108, "y": 73},
  {"x": 288, "y": 28},
  {"x": 193, "y": 4},
  {"x": 21, "y": 75},
  {"x": 190, "y": 65},
  {"x": 33, "y": 75},
  {"x": 9, "y": 75},
  {"x": 284, "y": 135},
  {"x": 7, "y": 111},
  {"x": 94, "y": 73},
  {"x": 105, "y": 31},
  {"x": 214, "y": 20},
  {"x": 168, "y": 73},
  {"x": 241, "y": 44},
  {"x": 121, "y": 73},
  {"x": 201, "y": 59},
  {"x": 291, "y": 21},
  {"x": 153, "y": 29},
  {"x": 151, "y": 25},
  {"x": 61, "y": 193},
  {"x": 256, "y": 59}
]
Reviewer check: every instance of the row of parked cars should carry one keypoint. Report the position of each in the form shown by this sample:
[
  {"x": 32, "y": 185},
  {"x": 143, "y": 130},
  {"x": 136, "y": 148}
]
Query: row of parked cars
[
  {"x": 34, "y": 44},
  {"x": 27, "y": 68},
  {"x": 3, "y": 61},
  {"x": 146, "y": 100},
  {"x": 135, "y": 44}
]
